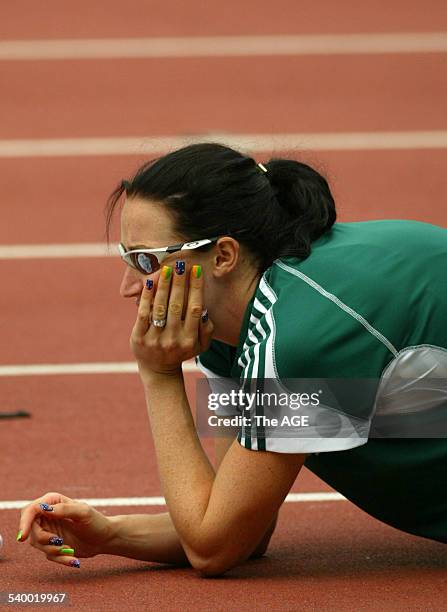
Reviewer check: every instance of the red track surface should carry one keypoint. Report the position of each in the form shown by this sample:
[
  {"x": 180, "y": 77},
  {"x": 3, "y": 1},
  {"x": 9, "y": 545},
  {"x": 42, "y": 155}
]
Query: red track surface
[
  {"x": 83, "y": 19},
  {"x": 54, "y": 99},
  {"x": 89, "y": 435}
]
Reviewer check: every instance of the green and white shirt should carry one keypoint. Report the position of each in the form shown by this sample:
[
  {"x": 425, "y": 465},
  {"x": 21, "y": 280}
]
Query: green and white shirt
[{"x": 370, "y": 303}]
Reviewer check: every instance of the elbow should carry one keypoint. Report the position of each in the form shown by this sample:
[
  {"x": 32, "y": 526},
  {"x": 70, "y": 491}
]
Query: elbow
[
  {"x": 211, "y": 566},
  {"x": 218, "y": 566},
  {"x": 225, "y": 556}
]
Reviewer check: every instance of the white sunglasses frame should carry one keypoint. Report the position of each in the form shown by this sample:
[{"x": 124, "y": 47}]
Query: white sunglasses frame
[{"x": 161, "y": 252}]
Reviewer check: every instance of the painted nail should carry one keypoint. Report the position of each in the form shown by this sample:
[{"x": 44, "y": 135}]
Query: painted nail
[
  {"x": 205, "y": 315},
  {"x": 75, "y": 563},
  {"x": 197, "y": 271},
  {"x": 56, "y": 541},
  {"x": 67, "y": 551},
  {"x": 166, "y": 272},
  {"x": 46, "y": 507},
  {"x": 180, "y": 267},
  {"x": 149, "y": 284},
  {"x": 19, "y": 535}
]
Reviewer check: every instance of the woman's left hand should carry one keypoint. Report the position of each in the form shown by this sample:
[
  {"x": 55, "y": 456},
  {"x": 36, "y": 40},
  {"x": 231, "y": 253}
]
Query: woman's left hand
[{"x": 162, "y": 349}]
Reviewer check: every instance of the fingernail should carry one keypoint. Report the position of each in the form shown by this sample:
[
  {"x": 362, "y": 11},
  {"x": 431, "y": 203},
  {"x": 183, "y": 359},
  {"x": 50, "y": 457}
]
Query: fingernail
[
  {"x": 46, "y": 507},
  {"x": 75, "y": 563},
  {"x": 67, "y": 551},
  {"x": 55, "y": 541},
  {"x": 149, "y": 284},
  {"x": 205, "y": 316},
  {"x": 180, "y": 267},
  {"x": 166, "y": 272},
  {"x": 19, "y": 535},
  {"x": 197, "y": 271}
]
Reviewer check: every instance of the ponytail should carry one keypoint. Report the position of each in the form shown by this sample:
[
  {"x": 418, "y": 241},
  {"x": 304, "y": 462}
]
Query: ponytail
[{"x": 306, "y": 199}]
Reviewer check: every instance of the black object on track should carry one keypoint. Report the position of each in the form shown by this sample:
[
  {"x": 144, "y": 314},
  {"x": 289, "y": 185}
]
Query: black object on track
[{"x": 18, "y": 414}]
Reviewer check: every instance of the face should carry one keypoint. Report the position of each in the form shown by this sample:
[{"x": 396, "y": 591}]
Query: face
[{"x": 146, "y": 224}]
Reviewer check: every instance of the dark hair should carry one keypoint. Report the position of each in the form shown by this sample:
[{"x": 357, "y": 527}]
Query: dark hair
[{"x": 212, "y": 190}]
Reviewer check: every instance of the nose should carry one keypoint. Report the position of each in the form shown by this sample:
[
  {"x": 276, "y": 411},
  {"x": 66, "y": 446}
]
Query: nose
[{"x": 131, "y": 284}]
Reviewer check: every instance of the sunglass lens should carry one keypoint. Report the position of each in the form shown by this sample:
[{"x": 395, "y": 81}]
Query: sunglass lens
[{"x": 147, "y": 263}]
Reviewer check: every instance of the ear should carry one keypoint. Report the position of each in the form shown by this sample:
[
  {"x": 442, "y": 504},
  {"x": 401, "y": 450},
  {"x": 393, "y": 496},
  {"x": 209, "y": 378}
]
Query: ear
[{"x": 225, "y": 257}]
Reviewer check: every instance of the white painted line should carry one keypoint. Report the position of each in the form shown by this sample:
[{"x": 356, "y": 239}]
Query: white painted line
[
  {"x": 160, "y": 501},
  {"x": 225, "y": 46},
  {"x": 314, "y": 497},
  {"x": 52, "y": 369},
  {"x": 50, "y": 251},
  {"x": 255, "y": 143}
]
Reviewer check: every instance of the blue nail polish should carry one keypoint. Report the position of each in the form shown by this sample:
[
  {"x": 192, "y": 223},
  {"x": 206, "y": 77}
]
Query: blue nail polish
[
  {"x": 55, "y": 541},
  {"x": 180, "y": 267},
  {"x": 149, "y": 284},
  {"x": 205, "y": 316},
  {"x": 46, "y": 507},
  {"x": 75, "y": 563}
]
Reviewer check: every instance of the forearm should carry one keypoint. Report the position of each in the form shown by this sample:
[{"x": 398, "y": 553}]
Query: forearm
[
  {"x": 152, "y": 537},
  {"x": 187, "y": 478},
  {"x": 186, "y": 474},
  {"x": 147, "y": 537},
  {"x": 200, "y": 504}
]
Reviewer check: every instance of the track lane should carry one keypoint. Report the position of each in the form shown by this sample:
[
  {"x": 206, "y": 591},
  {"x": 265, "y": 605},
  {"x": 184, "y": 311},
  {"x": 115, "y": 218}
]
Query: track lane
[
  {"x": 190, "y": 96},
  {"x": 84, "y": 19},
  {"x": 62, "y": 311}
]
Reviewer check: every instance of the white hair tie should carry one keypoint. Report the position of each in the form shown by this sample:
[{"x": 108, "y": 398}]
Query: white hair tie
[{"x": 262, "y": 167}]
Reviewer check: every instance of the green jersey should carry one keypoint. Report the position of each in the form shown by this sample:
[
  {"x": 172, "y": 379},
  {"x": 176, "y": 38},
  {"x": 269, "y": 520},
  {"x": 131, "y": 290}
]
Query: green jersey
[{"x": 369, "y": 303}]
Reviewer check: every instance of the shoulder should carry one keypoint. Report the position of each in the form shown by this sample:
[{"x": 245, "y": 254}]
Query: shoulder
[
  {"x": 293, "y": 322},
  {"x": 308, "y": 320}
]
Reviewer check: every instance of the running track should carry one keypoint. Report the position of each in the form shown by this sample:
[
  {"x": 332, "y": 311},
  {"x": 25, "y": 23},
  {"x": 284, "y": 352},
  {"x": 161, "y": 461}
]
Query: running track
[{"x": 89, "y": 436}]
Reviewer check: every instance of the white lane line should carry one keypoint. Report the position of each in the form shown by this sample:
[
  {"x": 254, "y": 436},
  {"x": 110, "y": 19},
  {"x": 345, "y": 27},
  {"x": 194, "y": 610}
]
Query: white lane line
[
  {"x": 50, "y": 251},
  {"x": 255, "y": 143},
  {"x": 160, "y": 501},
  {"x": 224, "y": 46},
  {"x": 55, "y": 369}
]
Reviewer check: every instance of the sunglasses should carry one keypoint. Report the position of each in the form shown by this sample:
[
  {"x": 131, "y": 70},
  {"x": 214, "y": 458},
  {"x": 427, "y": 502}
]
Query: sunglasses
[{"x": 148, "y": 261}]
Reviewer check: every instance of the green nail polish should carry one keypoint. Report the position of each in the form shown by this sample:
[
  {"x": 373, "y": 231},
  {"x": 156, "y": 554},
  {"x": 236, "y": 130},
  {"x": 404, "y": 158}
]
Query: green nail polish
[
  {"x": 167, "y": 271},
  {"x": 67, "y": 551},
  {"x": 197, "y": 271},
  {"x": 19, "y": 535}
]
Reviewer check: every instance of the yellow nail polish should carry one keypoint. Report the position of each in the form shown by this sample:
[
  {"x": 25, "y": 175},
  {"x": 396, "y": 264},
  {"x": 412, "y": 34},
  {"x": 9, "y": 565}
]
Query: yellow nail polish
[
  {"x": 66, "y": 551},
  {"x": 166, "y": 272},
  {"x": 19, "y": 535},
  {"x": 197, "y": 271}
]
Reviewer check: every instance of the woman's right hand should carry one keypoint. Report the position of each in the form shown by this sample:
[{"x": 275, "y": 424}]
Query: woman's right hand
[{"x": 69, "y": 525}]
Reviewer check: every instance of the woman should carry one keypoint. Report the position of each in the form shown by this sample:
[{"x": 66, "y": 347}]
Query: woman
[{"x": 270, "y": 291}]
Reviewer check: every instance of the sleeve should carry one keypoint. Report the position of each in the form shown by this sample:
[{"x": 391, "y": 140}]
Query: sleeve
[
  {"x": 294, "y": 416},
  {"x": 300, "y": 415},
  {"x": 216, "y": 363}
]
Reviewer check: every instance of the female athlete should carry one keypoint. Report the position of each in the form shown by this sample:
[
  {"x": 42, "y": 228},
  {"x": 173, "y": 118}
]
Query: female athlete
[{"x": 242, "y": 266}]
